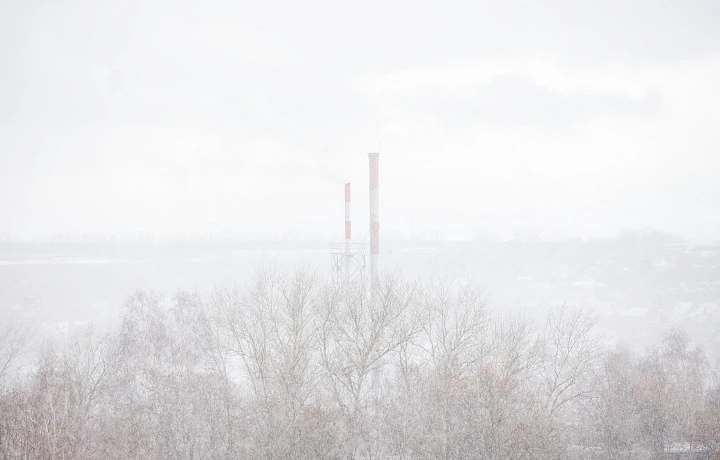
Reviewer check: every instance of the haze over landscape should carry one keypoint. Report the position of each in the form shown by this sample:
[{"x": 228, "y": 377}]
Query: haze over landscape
[
  {"x": 174, "y": 281},
  {"x": 579, "y": 120}
]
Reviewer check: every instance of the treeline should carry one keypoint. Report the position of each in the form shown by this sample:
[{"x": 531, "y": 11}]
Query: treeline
[{"x": 289, "y": 367}]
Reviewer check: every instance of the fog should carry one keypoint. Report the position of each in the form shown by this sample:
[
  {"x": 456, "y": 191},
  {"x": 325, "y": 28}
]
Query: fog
[
  {"x": 225, "y": 116},
  {"x": 171, "y": 188}
]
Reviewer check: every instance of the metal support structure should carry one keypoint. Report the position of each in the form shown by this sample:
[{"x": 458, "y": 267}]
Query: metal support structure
[{"x": 347, "y": 263}]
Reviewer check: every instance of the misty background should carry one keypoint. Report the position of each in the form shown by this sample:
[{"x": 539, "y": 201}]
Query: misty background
[
  {"x": 245, "y": 117},
  {"x": 171, "y": 197},
  {"x": 548, "y": 154}
]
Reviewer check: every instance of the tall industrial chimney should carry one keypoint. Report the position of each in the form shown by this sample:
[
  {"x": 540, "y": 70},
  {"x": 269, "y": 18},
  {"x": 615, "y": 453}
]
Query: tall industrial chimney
[
  {"x": 348, "y": 223},
  {"x": 374, "y": 216}
]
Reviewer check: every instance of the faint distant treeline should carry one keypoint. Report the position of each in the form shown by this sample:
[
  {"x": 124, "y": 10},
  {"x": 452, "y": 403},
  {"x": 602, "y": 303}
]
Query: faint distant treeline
[
  {"x": 628, "y": 236},
  {"x": 286, "y": 366},
  {"x": 163, "y": 237}
]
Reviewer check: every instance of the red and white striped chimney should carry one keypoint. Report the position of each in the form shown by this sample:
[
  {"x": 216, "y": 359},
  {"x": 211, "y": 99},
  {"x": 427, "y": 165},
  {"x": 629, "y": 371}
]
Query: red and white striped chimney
[
  {"x": 348, "y": 223},
  {"x": 374, "y": 215}
]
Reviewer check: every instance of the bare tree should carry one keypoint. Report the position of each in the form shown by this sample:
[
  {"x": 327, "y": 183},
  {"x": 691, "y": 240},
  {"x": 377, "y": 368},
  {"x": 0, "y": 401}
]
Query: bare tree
[
  {"x": 358, "y": 334},
  {"x": 512, "y": 417},
  {"x": 14, "y": 338},
  {"x": 571, "y": 356},
  {"x": 271, "y": 326},
  {"x": 654, "y": 403},
  {"x": 613, "y": 416},
  {"x": 60, "y": 407},
  {"x": 671, "y": 380},
  {"x": 287, "y": 366},
  {"x": 709, "y": 422},
  {"x": 452, "y": 321},
  {"x": 167, "y": 389},
  {"x": 449, "y": 324}
]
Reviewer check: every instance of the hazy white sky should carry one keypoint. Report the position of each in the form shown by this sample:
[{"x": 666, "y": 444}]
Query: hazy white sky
[{"x": 574, "y": 118}]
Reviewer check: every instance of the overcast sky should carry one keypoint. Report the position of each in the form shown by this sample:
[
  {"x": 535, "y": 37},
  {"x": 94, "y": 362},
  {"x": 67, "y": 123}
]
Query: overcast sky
[{"x": 572, "y": 118}]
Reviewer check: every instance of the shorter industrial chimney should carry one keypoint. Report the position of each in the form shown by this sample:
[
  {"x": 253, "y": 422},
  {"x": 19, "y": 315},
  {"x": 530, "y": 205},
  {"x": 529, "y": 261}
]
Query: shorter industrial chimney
[
  {"x": 374, "y": 216},
  {"x": 347, "y": 259},
  {"x": 348, "y": 223}
]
